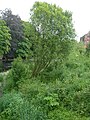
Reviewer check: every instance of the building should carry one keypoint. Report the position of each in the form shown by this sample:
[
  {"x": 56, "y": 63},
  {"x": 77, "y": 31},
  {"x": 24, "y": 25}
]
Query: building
[{"x": 85, "y": 39}]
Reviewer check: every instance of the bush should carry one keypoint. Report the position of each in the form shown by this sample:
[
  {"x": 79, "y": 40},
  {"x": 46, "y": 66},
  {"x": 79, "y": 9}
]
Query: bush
[
  {"x": 81, "y": 102},
  {"x": 63, "y": 114},
  {"x": 52, "y": 95},
  {"x": 20, "y": 71},
  {"x": 43, "y": 100},
  {"x": 8, "y": 84},
  {"x": 14, "y": 107},
  {"x": 9, "y": 106}
]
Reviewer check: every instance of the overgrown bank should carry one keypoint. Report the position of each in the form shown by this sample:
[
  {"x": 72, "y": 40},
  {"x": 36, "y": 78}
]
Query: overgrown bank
[{"x": 55, "y": 85}]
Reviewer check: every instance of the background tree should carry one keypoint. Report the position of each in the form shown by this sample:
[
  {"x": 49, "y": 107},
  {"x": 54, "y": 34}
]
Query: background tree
[
  {"x": 5, "y": 38},
  {"x": 53, "y": 31},
  {"x": 16, "y": 29},
  {"x": 24, "y": 47}
]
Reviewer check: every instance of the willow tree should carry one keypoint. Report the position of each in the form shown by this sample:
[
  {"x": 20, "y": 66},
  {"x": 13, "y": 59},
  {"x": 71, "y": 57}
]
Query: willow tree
[{"x": 53, "y": 30}]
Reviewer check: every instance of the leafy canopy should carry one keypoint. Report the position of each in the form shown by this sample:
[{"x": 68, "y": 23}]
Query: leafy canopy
[
  {"x": 16, "y": 29},
  {"x": 53, "y": 30},
  {"x": 5, "y": 38}
]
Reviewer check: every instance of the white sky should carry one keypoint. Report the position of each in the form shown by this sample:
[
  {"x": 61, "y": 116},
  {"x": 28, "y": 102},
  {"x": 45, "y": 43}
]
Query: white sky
[{"x": 79, "y": 8}]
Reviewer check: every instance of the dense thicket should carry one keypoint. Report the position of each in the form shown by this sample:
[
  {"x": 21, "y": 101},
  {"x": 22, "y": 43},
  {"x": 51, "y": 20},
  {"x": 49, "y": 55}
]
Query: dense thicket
[{"x": 49, "y": 80}]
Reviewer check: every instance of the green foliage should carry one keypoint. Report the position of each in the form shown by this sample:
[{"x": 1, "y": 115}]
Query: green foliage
[
  {"x": 27, "y": 29},
  {"x": 83, "y": 100},
  {"x": 24, "y": 49},
  {"x": 53, "y": 31},
  {"x": 68, "y": 84},
  {"x": 49, "y": 97},
  {"x": 9, "y": 106},
  {"x": 8, "y": 83},
  {"x": 19, "y": 71},
  {"x": 52, "y": 100},
  {"x": 5, "y": 38},
  {"x": 55, "y": 85},
  {"x": 66, "y": 99},
  {"x": 1, "y": 78},
  {"x": 63, "y": 114}
]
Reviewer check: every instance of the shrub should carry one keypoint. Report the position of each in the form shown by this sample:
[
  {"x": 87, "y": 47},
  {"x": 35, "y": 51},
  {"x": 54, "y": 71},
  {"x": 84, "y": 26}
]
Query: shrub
[
  {"x": 81, "y": 102},
  {"x": 63, "y": 114},
  {"x": 9, "y": 106},
  {"x": 20, "y": 71},
  {"x": 8, "y": 84},
  {"x": 49, "y": 97}
]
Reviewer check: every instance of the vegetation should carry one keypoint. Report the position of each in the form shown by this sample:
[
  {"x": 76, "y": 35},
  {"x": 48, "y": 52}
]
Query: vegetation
[
  {"x": 16, "y": 29},
  {"x": 5, "y": 38},
  {"x": 53, "y": 28},
  {"x": 49, "y": 77}
]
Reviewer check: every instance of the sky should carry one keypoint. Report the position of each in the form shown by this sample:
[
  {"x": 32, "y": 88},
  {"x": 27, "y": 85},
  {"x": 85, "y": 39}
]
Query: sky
[{"x": 80, "y": 11}]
